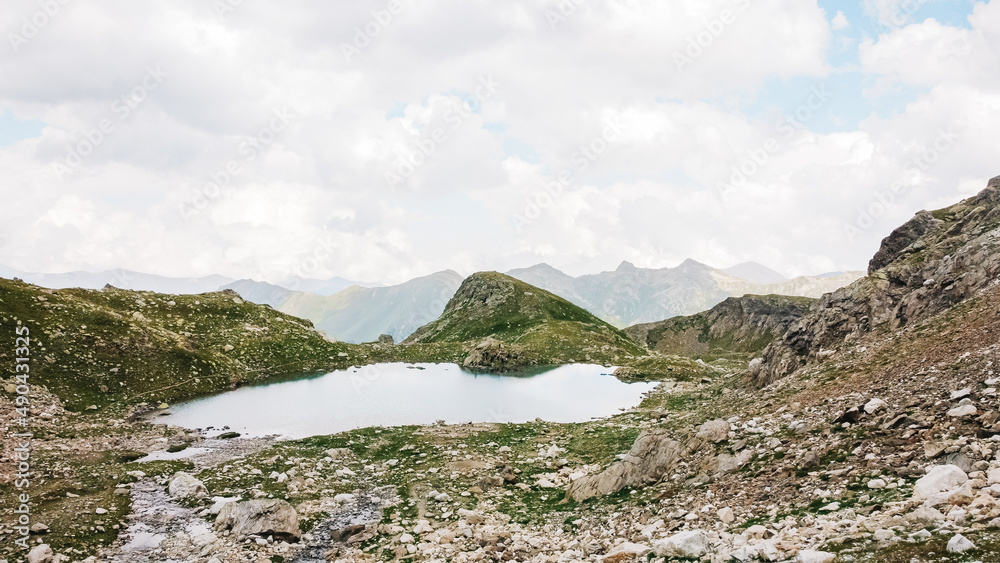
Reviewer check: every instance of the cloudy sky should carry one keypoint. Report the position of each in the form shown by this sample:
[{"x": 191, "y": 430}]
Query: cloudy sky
[{"x": 381, "y": 140}]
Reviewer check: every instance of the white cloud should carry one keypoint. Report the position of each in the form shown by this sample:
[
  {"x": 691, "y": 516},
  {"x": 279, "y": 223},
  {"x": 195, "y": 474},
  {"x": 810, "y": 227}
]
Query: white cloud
[
  {"x": 320, "y": 182},
  {"x": 839, "y": 21}
]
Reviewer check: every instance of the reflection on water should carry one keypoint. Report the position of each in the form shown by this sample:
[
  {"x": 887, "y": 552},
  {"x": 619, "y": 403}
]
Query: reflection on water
[{"x": 403, "y": 394}]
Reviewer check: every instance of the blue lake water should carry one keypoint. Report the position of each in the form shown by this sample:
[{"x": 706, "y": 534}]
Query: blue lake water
[{"x": 403, "y": 394}]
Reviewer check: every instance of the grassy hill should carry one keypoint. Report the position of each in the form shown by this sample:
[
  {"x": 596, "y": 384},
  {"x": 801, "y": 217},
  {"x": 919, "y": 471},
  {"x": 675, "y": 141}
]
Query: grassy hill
[
  {"x": 537, "y": 326},
  {"x": 103, "y": 346}
]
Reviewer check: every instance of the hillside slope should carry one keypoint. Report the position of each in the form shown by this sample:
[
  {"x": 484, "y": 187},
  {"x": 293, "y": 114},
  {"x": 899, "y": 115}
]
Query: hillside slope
[
  {"x": 631, "y": 295},
  {"x": 739, "y": 327},
  {"x": 360, "y": 314},
  {"x": 934, "y": 261},
  {"x": 114, "y": 345},
  {"x": 537, "y": 326}
]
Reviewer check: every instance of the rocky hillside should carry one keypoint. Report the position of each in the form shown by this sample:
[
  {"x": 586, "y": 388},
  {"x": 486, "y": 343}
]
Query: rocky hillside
[
  {"x": 931, "y": 263},
  {"x": 739, "y": 327},
  {"x": 631, "y": 295},
  {"x": 513, "y": 323},
  {"x": 95, "y": 347}
]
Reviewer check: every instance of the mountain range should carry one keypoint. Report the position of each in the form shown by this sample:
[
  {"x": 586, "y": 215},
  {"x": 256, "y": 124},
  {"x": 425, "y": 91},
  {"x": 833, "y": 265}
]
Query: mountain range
[
  {"x": 361, "y": 312},
  {"x": 631, "y": 295}
]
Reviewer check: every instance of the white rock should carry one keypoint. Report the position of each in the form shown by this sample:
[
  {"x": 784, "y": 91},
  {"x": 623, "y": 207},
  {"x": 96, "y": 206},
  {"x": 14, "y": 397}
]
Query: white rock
[
  {"x": 939, "y": 479},
  {"x": 626, "y": 551},
  {"x": 40, "y": 554},
  {"x": 810, "y": 556},
  {"x": 470, "y": 516},
  {"x": 726, "y": 515},
  {"x": 960, "y": 544},
  {"x": 219, "y": 502},
  {"x": 960, "y": 394},
  {"x": 884, "y": 535},
  {"x": 691, "y": 544},
  {"x": 876, "y": 484},
  {"x": 405, "y": 538},
  {"x": 344, "y": 497},
  {"x": 546, "y": 484},
  {"x": 874, "y": 405},
  {"x": 185, "y": 485},
  {"x": 963, "y": 410}
]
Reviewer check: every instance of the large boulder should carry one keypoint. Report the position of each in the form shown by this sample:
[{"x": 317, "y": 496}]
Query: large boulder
[
  {"x": 652, "y": 454},
  {"x": 714, "y": 431},
  {"x": 940, "y": 479},
  {"x": 185, "y": 485},
  {"x": 260, "y": 517},
  {"x": 810, "y": 556},
  {"x": 691, "y": 544}
]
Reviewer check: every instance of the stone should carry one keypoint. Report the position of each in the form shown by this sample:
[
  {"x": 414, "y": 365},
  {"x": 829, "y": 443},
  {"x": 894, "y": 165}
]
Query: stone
[
  {"x": 714, "y": 431},
  {"x": 939, "y": 479},
  {"x": 39, "y": 528},
  {"x": 260, "y": 517},
  {"x": 874, "y": 405},
  {"x": 884, "y": 535},
  {"x": 691, "y": 544},
  {"x": 810, "y": 556},
  {"x": 758, "y": 532},
  {"x": 386, "y": 339},
  {"x": 338, "y": 453},
  {"x": 626, "y": 552},
  {"x": 219, "y": 502},
  {"x": 41, "y": 553},
  {"x": 959, "y": 544},
  {"x": 726, "y": 515},
  {"x": 185, "y": 485},
  {"x": 925, "y": 516},
  {"x": 877, "y": 484},
  {"x": 963, "y": 411},
  {"x": 652, "y": 454},
  {"x": 470, "y": 516}
]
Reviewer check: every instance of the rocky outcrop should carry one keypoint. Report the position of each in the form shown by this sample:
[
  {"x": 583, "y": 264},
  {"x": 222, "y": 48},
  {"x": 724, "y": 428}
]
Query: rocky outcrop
[
  {"x": 491, "y": 354},
  {"x": 184, "y": 485},
  {"x": 651, "y": 456},
  {"x": 260, "y": 517},
  {"x": 740, "y": 326},
  {"x": 928, "y": 265}
]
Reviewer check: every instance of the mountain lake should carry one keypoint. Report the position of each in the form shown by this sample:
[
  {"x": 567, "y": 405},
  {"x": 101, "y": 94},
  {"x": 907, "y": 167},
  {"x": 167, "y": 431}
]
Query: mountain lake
[{"x": 398, "y": 394}]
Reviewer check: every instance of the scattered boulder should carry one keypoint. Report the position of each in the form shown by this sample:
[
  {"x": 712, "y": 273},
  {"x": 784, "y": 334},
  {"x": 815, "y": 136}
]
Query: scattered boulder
[
  {"x": 714, "y": 431},
  {"x": 185, "y": 485},
  {"x": 652, "y": 454},
  {"x": 691, "y": 544},
  {"x": 939, "y": 479},
  {"x": 959, "y": 544},
  {"x": 386, "y": 339},
  {"x": 41, "y": 553},
  {"x": 260, "y": 517},
  {"x": 626, "y": 552},
  {"x": 810, "y": 556}
]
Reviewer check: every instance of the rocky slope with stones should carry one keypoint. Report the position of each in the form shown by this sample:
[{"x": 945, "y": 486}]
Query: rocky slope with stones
[
  {"x": 738, "y": 327},
  {"x": 934, "y": 261}
]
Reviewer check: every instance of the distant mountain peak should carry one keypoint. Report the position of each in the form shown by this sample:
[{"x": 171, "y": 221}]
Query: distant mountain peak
[
  {"x": 625, "y": 266},
  {"x": 754, "y": 272}
]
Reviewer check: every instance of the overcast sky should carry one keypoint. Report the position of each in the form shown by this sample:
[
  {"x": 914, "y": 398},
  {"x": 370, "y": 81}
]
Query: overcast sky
[{"x": 382, "y": 140}]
